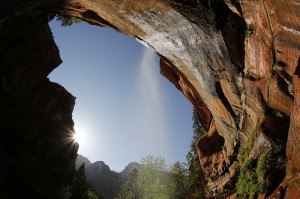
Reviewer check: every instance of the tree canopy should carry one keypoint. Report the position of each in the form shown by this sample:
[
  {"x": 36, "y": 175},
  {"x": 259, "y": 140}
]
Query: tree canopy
[
  {"x": 64, "y": 20},
  {"x": 67, "y": 20},
  {"x": 156, "y": 180},
  {"x": 149, "y": 183}
]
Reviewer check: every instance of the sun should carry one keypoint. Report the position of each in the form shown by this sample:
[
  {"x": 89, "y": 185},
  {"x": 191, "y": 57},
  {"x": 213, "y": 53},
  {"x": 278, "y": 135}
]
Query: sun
[
  {"x": 76, "y": 137},
  {"x": 79, "y": 135}
]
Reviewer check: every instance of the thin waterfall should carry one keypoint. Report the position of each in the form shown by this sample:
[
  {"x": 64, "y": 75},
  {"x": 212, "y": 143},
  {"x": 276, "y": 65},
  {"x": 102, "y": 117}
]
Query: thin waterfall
[{"x": 149, "y": 106}]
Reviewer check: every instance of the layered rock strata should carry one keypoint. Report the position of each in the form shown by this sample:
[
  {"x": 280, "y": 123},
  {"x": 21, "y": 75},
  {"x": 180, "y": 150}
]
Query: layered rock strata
[{"x": 236, "y": 61}]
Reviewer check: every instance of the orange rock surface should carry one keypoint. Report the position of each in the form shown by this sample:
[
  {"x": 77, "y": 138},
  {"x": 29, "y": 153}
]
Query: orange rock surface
[{"x": 236, "y": 61}]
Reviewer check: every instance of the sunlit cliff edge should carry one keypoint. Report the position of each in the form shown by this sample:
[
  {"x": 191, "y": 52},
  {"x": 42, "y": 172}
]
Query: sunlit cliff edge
[{"x": 238, "y": 62}]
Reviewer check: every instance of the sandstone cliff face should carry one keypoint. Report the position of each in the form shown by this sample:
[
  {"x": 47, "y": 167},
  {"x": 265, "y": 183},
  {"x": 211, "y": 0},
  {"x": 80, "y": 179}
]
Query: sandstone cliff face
[
  {"x": 236, "y": 61},
  {"x": 37, "y": 151}
]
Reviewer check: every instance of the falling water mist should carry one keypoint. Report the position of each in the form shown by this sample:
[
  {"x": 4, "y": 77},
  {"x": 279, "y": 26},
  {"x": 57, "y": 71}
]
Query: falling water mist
[{"x": 149, "y": 107}]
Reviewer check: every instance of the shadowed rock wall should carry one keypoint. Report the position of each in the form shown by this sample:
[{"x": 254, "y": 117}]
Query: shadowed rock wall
[
  {"x": 236, "y": 61},
  {"x": 36, "y": 147}
]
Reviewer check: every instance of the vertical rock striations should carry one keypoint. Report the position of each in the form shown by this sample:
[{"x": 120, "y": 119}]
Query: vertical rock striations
[{"x": 236, "y": 61}]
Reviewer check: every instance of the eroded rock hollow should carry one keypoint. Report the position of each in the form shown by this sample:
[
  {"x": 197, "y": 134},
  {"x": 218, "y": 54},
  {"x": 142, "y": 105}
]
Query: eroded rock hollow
[{"x": 238, "y": 62}]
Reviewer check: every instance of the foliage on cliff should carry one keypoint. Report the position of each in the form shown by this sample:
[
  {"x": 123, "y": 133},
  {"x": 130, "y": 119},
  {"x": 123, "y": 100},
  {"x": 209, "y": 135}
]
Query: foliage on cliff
[
  {"x": 195, "y": 177},
  {"x": 65, "y": 20},
  {"x": 254, "y": 178},
  {"x": 68, "y": 20}
]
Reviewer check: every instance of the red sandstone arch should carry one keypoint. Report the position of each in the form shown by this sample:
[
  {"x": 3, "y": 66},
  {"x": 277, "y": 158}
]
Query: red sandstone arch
[{"x": 203, "y": 51}]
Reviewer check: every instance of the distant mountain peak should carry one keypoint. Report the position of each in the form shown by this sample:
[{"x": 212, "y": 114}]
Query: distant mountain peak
[
  {"x": 104, "y": 181},
  {"x": 132, "y": 165},
  {"x": 100, "y": 166},
  {"x": 130, "y": 168},
  {"x": 99, "y": 162},
  {"x": 80, "y": 160}
]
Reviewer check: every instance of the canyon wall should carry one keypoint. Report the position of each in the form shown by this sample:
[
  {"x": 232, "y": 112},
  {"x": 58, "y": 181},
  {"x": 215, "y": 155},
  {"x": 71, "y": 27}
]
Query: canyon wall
[{"x": 238, "y": 62}]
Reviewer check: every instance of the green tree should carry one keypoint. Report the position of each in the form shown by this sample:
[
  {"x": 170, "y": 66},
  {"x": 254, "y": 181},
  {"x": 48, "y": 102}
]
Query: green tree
[
  {"x": 197, "y": 127},
  {"x": 92, "y": 194},
  {"x": 130, "y": 189},
  {"x": 79, "y": 186},
  {"x": 151, "y": 182},
  {"x": 64, "y": 20},
  {"x": 198, "y": 132},
  {"x": 67, "y": 20},
  {"x": 153, "y": 178},
  {"x": 178, "y": 185},
  {"x": 156, "y": 181},
  {"x": 195, "y": 177},
  {"x": 79, "y": 189}
]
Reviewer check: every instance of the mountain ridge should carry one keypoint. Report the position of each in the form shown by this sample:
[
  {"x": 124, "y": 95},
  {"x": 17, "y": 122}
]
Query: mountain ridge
[{"x": 102, "y": 179}]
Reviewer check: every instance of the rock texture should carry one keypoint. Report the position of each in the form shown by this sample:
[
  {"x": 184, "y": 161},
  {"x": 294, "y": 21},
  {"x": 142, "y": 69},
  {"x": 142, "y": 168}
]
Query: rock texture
[
  {"x": 104, "y": 181},
  {"x": 236, "y": 61}
]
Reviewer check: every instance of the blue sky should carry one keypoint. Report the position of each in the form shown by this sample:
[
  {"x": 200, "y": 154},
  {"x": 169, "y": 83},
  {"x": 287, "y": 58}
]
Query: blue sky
[{"x": 125, "y": 110}]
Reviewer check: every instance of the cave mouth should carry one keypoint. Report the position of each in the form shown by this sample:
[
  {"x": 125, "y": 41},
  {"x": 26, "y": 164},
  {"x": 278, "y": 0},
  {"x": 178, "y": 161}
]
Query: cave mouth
[
  {"x": 36, "y": 131},
  {"x": 121, "y": 99}
]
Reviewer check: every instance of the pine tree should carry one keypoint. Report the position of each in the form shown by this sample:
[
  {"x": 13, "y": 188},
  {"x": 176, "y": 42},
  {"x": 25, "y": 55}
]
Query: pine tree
[
  {"x": 195, "y": 178},
  {"x": 198, "y": 132},
  {"x": 178, "y": 184},
  {"x": 79, "y": 188}
]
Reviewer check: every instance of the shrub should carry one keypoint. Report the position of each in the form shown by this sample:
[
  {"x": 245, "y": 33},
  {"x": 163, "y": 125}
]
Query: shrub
[
  {"x": 68, "y": 20},
  {"x": 247, "y": 185},
  {"x": 248, "y": 31},
  {"x": 246, "y": 150},
  {"x": 252, "y": 179}
]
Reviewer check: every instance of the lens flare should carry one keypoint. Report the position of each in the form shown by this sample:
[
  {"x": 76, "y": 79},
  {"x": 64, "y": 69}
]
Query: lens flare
[
  {"x": 76, "y": 137},
  {"x": 79, "y": 135}
]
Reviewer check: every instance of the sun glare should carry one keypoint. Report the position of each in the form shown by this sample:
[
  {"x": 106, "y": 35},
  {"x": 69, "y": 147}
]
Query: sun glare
[
  {"x": 76, "y": 137},
  {"x": 79, "y": 135}
]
